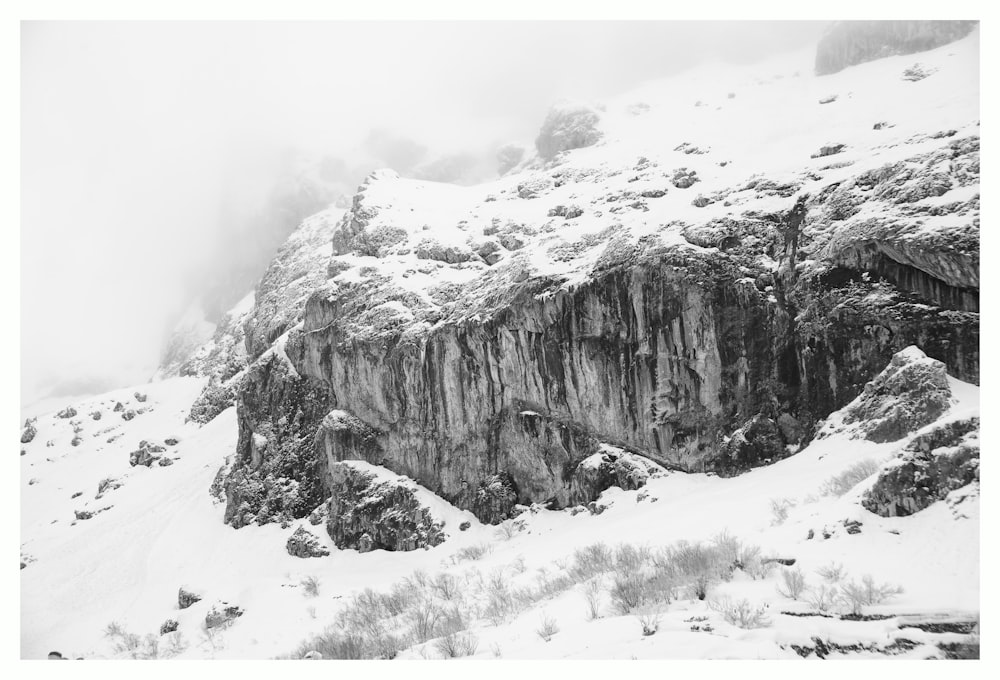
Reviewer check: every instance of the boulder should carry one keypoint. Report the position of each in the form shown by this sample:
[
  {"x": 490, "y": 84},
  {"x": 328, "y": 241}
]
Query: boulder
[
  {"x": 29, "y": 431},
  {"x": 303, "y": 543},
  {"x": 186, "y": 598},
  {"x": 68, "y": 412},
  {"x": 168, "y": 626},
  {"x": 128, "y": 415},
  {"x": 611, "y": 467},
  {"x": 570, "y": 126}
]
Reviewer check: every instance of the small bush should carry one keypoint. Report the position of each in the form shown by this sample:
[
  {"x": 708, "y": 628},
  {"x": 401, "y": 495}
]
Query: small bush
[
  {"x": 650, "y": 621},
  {"x": 446, "y": 586},
  {"x": 822, "y": 599},
  {"x": 508, "y": 529},
  {"x": 145, "y": 647},
  {"x": 310, "y": 586},
  {"x": 592, "y": 594},
  {"x": 855, "y": 596},
  {"x": 472, "y": 552},
  {"x": 840, "y": 484},
  {"x": 793, "y": 583},
  {"x": 548, "y": 628},
  {"x": 741, "y": 613},
  {"x": 590, "y": 561},
  {"x": 458, "y": 644},
  {"x": 694, "y": 565},
  {"x": 423, "y": 619},
  {"x": 831, "y": 573},
  {"x": 779, "y": 510},
  {"x": 628, "y": 592}
]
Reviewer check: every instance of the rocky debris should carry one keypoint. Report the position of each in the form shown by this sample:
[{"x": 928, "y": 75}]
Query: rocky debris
[
  {"x": 911, "y": 392},
  {"x": 852, "y": 526},
  {"x": 378, "y": 241},
  {"x": 684, "y": 178},
  {"x": 141, "y": 398},
  {"x": 509, "y": 157},
  {"x": 568, "y": 127},
  {"x": 128, "y": 415},
  {"x": 107, "y": 484},
  {"x": 303, "y": 543},
  {"x": 368, "y": 514},
  {"x": 33, "y": 481},
  {"x": 83, "y": 514},
  {"x": 146, "y": 454},
  {"x": 186, "y": 598},
  {"x": 29, "y": 431},
  {"x": 96, "y": 415},
  {"x": 829, "y": 150},
  {"x": 567, "y": 211},
  {"x": 882, "y": 125},
  {"x": 168, "y": 626},
  {"x": 534, "y": 187},
  {"x": 701, "y": 201},
  {"x": 171, "y": 441},
  {"x": 847, "y": 43},
  {"x": 68, "y": 412},
  {"x": 222, "y": 615},
  {"x": 165, "y": 462},
  {"x": 76, "y": 441},
  {"x": 926, "y": 470},
  {"x": 464, "y": 526},
  {"x": 611, "y": 467},
  {"x": 77, "y": 494},
  {"x": 118, "y": 407},
  {"x": 689, "y": 148},
  {"x": 828, "y": 99},
  {"x": 653, "y": 193},
  {"x": 431, "y": 249}
]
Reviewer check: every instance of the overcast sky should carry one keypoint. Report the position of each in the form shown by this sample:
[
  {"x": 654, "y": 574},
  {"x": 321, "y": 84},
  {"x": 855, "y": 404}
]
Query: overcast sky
[{"x": 129, "y": 131}]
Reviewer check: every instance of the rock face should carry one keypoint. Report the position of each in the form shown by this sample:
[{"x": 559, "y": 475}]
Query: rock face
[
  {"x": 303, "y": 543},
  {"x": 568, "y": 127},
  {"x": 927, "y": 469},
  {"x": 911, "y": 392},
  {"x": 847, "y": 43},
  {"x": 368, "y": 513}
]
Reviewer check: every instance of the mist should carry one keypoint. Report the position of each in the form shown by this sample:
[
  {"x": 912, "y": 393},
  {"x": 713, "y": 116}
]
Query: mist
[{"x": 147, "y": 149}]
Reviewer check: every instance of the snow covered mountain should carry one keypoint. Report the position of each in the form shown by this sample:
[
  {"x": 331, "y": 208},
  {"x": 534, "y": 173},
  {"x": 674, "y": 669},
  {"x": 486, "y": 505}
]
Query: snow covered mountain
[{"x": 696, "y": 379}]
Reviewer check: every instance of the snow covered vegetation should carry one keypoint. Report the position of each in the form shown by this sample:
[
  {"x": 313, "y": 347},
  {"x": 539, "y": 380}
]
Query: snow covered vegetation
[{"x": 696, "y": 377}]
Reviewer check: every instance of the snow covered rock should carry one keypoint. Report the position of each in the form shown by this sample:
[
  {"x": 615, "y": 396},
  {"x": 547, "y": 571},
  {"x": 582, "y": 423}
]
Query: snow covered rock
[
  {"x": 847, "y": 43},
  {"x": 610, "y": 467},
  {"x": 303, "y": 543},
  {"x": 569, "y": 126},
  {"x": 371, "y": 510},
  {"x": 29, "y": 432},
  {"x": 186, "y": 598},
  {"x": 222, "y": 615},
  {"x": 68, "y": 412},
  {"x": 911, "y": 392},
  {"x": 928, "y": 468}
]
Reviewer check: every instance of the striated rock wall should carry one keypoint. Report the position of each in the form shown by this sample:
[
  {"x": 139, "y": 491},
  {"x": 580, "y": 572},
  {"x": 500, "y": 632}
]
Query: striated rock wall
[{"x": 847, "y": 43}]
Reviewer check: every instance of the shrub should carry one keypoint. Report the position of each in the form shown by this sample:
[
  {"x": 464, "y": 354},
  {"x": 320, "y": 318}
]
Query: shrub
[
  {"x": 650, "y": 621},
  {"x": 591, "y": 560},
  {"x": 793, "y": 582},
  {"x": 446, "y": 586},
  {"x": 741, "y": 613},
  {"x": 822, "y": 599},
  {"x": 508, "y": 529},
  {"x": 472, "y": 552},
  {"x": 695, "y": 565},
  {"x": 753, "y": 564},
  {"x": 857, "y": 595},
  {"x": 779, "y": 510},
  {"x": 333, "y": 644},
  {"x": 832, "y": 573},
  {"x": 592, "y": 594},
  {"x": 629, "y": 558},
  {"x": 458, "y": 644},
  {"x": 310, "y": 586},
  {"x": 628, "y": 592},
  {"x": 840, "y": 484},
  {"x": 548, "y": 628},
  {"x": 145, "y": 647},
  {"x": 423, "y": 619}
]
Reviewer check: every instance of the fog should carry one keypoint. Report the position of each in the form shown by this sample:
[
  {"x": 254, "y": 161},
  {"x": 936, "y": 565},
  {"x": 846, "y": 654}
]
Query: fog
[{"x": 147, "y": 148}]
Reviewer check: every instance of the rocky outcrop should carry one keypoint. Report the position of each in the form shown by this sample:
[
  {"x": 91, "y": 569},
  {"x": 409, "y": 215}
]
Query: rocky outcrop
[
  {"x": 222, "y": 615},
  {"x": 369, "y": 512},
  {"x": 931, "y": 466},
  {"x": 146, "y": 454},
  {"x": 568, "y": 127},
  {"x": 911, "y": 392},
  {"x": 611, "y": 467},
  {"x": 303, "y": 543},
  {"x": 186, "y": 598},
  {"x": 29, "y": 432},
  {"x": 68, "y": 412},
  {"x": 848, "y": 43}
]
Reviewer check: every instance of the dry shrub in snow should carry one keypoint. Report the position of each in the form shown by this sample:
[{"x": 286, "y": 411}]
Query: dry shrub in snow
[
  {"x": 145, "y": 647},
  {"x": 854, "y": 596},
  {"x": 779, "y": 510},
  {"x": 694, "y": 565},
  {"x": 454, "y": 645},
  {"x": 446, "y": 586},
  {"x": 793, "y": 583},
  {"x": 310, "y": 586},
  {"x": 472, "y": 552},
  {"x": 831, "y": 573},
  {"x": 649, "y": 620},
  {"x": 840, "y": 484},
  {"x": 822, "y": 599},
  {"x": 591, "y": 560},
  {"x": 548, "y": 628},
  {"x": 740, "y": 613}
]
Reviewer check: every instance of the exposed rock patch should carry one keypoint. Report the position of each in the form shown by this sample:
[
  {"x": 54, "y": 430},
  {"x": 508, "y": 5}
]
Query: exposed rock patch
[{"x": 303, "y": 543}]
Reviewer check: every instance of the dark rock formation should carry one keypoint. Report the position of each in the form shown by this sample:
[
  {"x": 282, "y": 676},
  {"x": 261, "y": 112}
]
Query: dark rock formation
[
  {"x": 118, "y": 407},
  {"x": 68, "y": 412},
  {"x": 146, "y": 454},
  {"x": 96, "y": 415},
  {"x": 29, "y": 431},
  {"x": 139, "y": 397},
  {"x": 368, "y": 514},
  {"x": 847, "y": 43},
  {"x": 186, "y": 598},
  {"x": 611, "y": 467},
  {"x": 168, "y": 626},
  {"x": 303, "y": 543},
  {"x": 568, "y": 127},
  {"x": 927, "y": 469},
  {"x": 128, "y": 415},
  {"x": 911, "y": 392}
]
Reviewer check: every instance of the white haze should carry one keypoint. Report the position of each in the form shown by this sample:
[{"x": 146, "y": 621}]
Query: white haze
[{"x": 132, "y": 133}]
